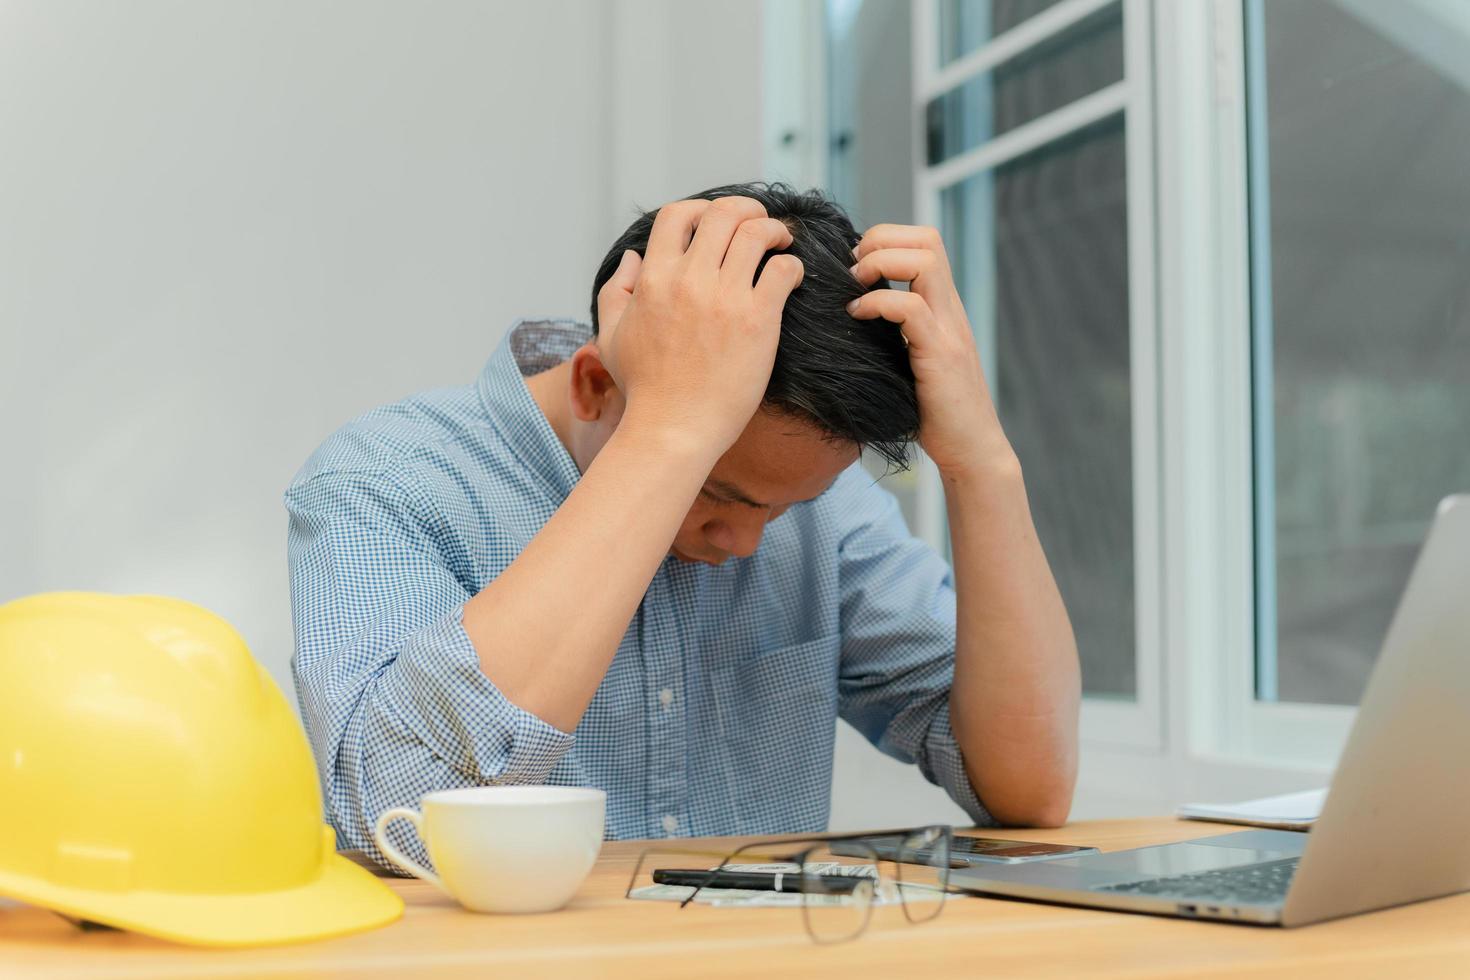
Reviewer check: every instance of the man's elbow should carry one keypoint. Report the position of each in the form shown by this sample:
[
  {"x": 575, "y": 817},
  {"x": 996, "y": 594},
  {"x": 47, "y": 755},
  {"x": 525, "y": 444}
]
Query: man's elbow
[
  {"x": 1052, "y": 814},
  {"x": 1043, "y": 807}
]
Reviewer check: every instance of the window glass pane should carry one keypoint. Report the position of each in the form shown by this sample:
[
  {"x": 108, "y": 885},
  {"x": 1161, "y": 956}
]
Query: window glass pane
[
  {"x": 1040, "y": 248},
  {"x": 1364, "y": 314},
  {"x": 965, "y": 25},
  {"x": 1062, "y": 69}
]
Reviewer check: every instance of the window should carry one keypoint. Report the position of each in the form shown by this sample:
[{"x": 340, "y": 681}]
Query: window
[
  {"x": 1077, "y": 61},
  {"x": 1026, "y": 171},
  {"x": 1040, "y": 246},
  {"x": 965, "y": 25},
  {"x": 1358, "y": 121},
  {"x": 1234, "y": 440},
  {"x": 1024, "y": 136}
]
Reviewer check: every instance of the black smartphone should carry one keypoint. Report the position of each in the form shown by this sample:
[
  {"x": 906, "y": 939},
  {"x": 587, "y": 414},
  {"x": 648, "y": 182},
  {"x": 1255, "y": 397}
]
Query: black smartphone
[
  {"x": 971, "y": 850},
  {"x": 756, "y": 880}
]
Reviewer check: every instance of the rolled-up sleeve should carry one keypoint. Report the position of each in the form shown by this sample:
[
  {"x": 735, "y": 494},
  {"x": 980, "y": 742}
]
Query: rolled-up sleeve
[
  {"x": 390, "y": 686},
  {"x": 898, "y": 641}
]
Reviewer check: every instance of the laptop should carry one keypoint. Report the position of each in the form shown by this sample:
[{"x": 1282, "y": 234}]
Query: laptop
[{"x": 1395, "y": 827}]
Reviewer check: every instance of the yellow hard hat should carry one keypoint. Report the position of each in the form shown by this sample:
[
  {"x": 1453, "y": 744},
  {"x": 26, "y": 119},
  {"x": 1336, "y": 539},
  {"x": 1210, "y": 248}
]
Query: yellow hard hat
[{"x": 153, "y": 778}]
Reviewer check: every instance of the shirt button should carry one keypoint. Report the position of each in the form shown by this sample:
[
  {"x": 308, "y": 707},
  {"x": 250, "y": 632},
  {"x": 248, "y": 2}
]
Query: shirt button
[
  {"x": 671, "y": 823},
  {"x": 666, "y": 697}
]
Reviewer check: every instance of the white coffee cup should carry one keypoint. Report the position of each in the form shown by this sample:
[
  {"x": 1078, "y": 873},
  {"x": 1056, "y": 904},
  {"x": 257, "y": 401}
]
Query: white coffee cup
[{"x": 504, "y": 848}]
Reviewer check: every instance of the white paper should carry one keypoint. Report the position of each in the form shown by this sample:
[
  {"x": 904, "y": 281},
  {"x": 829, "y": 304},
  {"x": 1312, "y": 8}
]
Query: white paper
[
  {"x": 1295, "y": 810},
  {"x": 751, "y": 898}
]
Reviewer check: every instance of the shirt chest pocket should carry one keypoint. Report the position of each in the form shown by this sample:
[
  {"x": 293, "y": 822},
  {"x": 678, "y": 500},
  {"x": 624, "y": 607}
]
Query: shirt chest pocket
[{"x": 776, "y": 712}]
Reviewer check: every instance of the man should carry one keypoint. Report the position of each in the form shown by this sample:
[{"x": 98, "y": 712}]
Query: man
[{"x": 644, "y": 558}]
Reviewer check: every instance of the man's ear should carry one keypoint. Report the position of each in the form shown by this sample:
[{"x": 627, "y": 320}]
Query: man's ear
[{"x": 594, "y": 394}]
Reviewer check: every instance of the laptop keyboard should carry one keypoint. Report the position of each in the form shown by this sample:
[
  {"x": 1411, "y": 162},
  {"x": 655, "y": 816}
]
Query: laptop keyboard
[{"x": 1249, "y": 884}]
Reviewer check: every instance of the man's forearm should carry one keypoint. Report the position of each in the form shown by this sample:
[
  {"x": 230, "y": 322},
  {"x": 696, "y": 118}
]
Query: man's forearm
[
  {"x": 1017, "y": 683},
  {"x": 1013, "y": 706},
  {"x": 546, "y": 628}
]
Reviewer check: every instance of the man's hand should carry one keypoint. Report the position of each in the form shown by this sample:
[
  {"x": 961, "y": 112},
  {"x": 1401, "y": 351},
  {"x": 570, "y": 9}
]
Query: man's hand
[
  {"x": 687, "y": 333},
  {"x": 958, "y": 427}
]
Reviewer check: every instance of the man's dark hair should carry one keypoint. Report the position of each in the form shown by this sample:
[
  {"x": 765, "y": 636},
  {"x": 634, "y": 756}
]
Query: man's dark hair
[{"x": 849, "y": 377}]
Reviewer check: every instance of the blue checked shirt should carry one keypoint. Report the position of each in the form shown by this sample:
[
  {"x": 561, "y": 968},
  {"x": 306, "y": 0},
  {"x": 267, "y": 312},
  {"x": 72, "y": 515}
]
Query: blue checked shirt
[{"x": 718, "y": 713}]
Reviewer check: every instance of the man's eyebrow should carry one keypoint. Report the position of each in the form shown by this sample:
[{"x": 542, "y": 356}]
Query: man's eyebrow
[{"x": 732, "y": 493}]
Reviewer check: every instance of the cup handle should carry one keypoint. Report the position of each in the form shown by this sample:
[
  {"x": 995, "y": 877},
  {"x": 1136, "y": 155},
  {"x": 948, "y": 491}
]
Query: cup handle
[{"x": 398, "y": 857}]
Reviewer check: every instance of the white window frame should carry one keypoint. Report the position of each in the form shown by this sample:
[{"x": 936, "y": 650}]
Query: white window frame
[
  {"x": 1206, "y": 306},
  {"x": 1136, "y": 724}
]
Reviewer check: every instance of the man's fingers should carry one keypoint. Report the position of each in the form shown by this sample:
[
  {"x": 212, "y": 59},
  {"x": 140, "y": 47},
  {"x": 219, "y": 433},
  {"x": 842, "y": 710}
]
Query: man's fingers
[
  {"x": 780, "y": 276},
  {"x": 614, "y": 295},
  {"x": 717, "y": 226},
  {"x": 927, "y": 272},
  {"x": 908, "y": 310},
  {"x": 899, "y": 236},
  {"x": 753, "y": 239},
  {"x": 625, "y": 276},
  {"x": 901, "y": 264},
  {"x": 673, "y": 227}
]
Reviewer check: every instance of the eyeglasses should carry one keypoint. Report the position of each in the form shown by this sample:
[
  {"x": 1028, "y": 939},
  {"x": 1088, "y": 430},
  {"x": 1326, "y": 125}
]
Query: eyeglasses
[{"x": 836, "y": 880}]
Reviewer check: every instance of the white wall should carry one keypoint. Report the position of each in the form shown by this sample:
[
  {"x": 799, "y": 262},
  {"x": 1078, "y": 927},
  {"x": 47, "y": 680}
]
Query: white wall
[
  {"x": 686, "y": 99},
  {"x": 230, "y": 227},
  {"x": 226, "y": 228}
]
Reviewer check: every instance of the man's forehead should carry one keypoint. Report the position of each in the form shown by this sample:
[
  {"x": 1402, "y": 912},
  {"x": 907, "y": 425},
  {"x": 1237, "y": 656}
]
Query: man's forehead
[{"x": 780, "y": 459}]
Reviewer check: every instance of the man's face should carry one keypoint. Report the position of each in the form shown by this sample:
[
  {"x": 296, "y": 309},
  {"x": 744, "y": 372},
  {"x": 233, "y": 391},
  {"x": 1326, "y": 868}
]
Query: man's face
[{"x": 778, "y": 461}]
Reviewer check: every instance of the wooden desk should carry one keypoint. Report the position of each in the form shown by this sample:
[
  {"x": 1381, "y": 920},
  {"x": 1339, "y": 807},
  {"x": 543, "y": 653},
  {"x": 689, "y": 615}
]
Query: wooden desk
[{"x": 602, "y": 934}]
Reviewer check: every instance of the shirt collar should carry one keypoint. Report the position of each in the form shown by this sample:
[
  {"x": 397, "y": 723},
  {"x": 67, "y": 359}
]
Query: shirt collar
[{"x": 530, "y": 347}]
